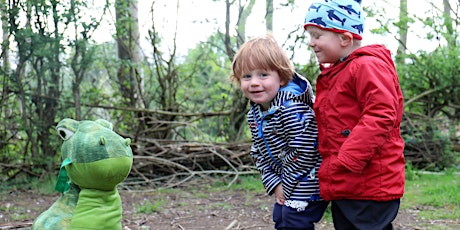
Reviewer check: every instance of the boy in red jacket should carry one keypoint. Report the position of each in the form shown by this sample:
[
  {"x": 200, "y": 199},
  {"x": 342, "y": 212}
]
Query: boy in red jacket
[{"x": 358, "y": 107}]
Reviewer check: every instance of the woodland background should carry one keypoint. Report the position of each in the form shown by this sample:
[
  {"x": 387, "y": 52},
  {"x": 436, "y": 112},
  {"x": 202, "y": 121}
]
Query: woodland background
[{"x": 184, "y": 117}]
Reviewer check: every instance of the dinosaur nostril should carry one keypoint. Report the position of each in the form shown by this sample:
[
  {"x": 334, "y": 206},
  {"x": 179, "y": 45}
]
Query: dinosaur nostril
[
  {"x": 102, "y": 140},
  {"x": 127, "y": 141}
]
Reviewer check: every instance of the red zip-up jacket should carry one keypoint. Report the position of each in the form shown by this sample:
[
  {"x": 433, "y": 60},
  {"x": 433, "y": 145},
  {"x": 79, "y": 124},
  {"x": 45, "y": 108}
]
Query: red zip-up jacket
[{"x": 359, "y": 107}]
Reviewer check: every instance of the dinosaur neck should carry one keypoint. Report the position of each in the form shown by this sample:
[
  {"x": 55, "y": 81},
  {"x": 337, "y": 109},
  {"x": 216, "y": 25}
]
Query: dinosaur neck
[{"x": 97, "y": 209}]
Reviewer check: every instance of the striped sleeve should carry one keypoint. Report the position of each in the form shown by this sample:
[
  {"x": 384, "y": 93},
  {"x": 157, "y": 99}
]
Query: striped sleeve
[
  {"x": 270, "y": 179},
  {"x": 301, "y": 155}
]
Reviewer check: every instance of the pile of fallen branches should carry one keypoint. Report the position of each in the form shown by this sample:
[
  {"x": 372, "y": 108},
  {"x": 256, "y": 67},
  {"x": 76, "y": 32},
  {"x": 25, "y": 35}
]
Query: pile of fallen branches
[
  {"x": 428, "y": 144},
  {"x": 166, "y": 164}
]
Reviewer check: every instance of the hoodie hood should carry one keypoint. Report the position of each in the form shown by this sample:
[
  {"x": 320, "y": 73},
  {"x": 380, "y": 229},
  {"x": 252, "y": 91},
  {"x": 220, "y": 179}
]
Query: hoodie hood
[{"x": 296, "y": 87}]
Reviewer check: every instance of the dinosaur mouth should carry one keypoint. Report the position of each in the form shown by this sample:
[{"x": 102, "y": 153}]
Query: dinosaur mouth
[{"x": 102, "y": 174}]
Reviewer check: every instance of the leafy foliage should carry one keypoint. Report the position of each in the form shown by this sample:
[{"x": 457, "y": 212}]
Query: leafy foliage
[
  {"x": 429, "y": 80},
  {"x": 432, "y": 106},
  {"x": 207, "y": 89}
]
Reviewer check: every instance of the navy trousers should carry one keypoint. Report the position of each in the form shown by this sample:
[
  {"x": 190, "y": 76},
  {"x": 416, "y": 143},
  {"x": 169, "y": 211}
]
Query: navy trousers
[
  {"x": 364, "y": 214},
  {"x": 287, "y": 218}
]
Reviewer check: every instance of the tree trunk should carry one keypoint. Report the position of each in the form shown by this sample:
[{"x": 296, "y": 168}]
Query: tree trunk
[
  {"x": 4, "y": 58},
  {"x": 403, "y": 18},
  {"x": 47, "y": 108},
  {"x": 127, "y": 28},
  {"x": 450, "y": 34},
  {"x": 5, "y": 34},
  {"x": 269, "y": 15},
  {"x": 244, "y": 13}
]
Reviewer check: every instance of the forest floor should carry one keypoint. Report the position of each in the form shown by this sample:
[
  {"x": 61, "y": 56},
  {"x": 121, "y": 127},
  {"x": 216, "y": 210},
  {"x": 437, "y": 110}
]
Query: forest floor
[{"x": 189, "y": 208}]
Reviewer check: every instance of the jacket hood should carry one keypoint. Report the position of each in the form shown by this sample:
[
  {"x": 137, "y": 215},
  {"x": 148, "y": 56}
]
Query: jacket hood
[
  {"x": 298, "y": 89},
  {"x": 293, "y": 87},
  {"x": 375, "y": 50}
]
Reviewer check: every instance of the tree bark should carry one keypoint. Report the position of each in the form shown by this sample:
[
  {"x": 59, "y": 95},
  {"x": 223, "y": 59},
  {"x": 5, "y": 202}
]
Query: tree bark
[
  {"x": 127, "y": 27},
  {"x": 450, "y": 34},
  {"x": 5, "y": 36},
  {"x": 269, "y": 15},
  {"x": 403, "y": 28}
]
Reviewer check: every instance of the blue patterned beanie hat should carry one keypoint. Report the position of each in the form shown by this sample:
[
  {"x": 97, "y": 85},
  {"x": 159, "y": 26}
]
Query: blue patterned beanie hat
[{"x": 337, "y": 15}]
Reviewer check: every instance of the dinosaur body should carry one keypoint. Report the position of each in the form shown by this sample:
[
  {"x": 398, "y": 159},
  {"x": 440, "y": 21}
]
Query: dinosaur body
[
  {"x": 95, "y": 161},
  {"x": 59, "y": 215}
]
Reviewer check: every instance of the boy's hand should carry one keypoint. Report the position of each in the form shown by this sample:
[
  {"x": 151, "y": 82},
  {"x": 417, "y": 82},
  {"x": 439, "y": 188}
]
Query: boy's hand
[{"x": 279, "y": 196}]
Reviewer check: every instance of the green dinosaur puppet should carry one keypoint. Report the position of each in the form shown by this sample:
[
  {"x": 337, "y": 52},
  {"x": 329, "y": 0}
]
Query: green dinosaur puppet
[{"x": 95, "y": 161}]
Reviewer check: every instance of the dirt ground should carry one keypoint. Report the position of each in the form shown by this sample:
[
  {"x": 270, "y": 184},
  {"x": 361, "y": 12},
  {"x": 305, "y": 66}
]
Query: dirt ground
[{"x": 186, "y": 209}]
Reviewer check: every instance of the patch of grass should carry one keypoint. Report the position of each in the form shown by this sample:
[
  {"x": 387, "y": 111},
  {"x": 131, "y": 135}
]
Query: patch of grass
[
  {"x": 149, "y": 207},
  {"x": 18, "y": 213},
  {"x": 44, "y": 186},
  {"x": 327, "y": 216},
  {"x": 248, "y": 183},
  {"x": 22, "y": 216},
  {"x": 437, "y": 196}
]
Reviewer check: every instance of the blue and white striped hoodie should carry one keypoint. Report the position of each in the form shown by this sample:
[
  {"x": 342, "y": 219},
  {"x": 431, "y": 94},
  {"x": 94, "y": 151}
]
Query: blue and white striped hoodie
[{"x": 284, "y": 142}]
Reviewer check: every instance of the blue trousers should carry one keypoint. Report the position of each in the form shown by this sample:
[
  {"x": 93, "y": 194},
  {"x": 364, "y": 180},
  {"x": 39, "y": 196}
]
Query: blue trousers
[
  {"x": 364, "y": 214},
  {"x": 287, "y": 218}
]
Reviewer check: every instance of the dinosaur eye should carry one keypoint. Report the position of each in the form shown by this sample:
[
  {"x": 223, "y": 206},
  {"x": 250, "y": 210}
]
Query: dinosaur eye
[{"x": 64, "y": 133}]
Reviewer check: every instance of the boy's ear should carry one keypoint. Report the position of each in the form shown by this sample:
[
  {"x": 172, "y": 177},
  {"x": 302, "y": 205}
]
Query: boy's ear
[
  {"x": 347, "y": 38},
  {"x": 283, "y": 82}
]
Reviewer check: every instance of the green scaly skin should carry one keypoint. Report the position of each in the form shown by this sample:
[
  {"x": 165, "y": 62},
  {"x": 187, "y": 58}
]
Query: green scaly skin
[{"x": 99, "y": 159}]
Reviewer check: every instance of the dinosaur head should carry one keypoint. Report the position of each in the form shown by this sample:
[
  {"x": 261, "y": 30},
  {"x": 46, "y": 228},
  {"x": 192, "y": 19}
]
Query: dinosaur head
[{"x": 94, "y": 156}]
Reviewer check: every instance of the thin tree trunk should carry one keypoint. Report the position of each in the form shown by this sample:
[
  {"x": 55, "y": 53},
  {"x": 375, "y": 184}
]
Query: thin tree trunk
[
  {"x": 269, "y": 15},
  {"x": 451, "y": 35},
  {"x": 244, "y": 13},
  {"x": 5, "y": 34},
  {"x": 403, "y": 18},
  {"x": 127, "y": 27}
]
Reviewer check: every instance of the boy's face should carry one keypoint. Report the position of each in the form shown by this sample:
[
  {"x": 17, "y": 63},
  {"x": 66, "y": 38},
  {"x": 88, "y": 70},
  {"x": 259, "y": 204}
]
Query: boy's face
[
  {"x": 326, "y": 44},
  {"x": 261, "y": 86}
]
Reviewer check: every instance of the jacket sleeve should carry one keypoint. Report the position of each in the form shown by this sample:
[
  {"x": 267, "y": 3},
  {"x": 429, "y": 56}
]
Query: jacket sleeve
[
  {"x": 376, "y": 88},
  {"x": 301, "y": 156},
  {"x": 269, "y": 178}
]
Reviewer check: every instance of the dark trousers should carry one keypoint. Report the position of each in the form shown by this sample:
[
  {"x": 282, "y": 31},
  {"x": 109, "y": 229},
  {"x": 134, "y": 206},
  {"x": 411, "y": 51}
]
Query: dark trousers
[
  {"x": 364, "y": 214},
  {"x": 287, "y": 218}
]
